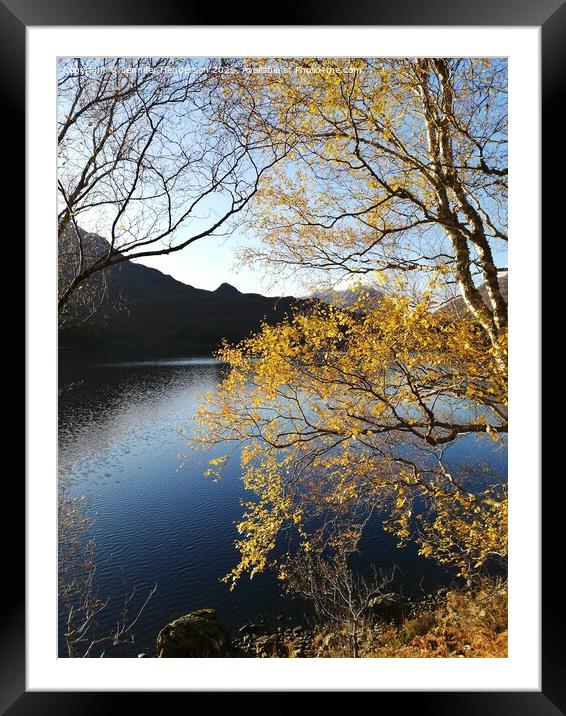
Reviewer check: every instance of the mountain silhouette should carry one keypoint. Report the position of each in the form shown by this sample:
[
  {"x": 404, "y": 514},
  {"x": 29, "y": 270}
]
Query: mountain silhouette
[{"x": 147, "y": 311}]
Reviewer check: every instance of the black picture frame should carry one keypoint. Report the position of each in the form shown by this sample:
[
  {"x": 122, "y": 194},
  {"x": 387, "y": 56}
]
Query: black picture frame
[{"x": 550, "y": 15}]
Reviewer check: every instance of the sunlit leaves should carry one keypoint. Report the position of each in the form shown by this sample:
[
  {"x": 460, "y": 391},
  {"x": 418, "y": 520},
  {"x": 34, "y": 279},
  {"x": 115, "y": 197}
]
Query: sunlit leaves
[{"x": 325, "y": 402}]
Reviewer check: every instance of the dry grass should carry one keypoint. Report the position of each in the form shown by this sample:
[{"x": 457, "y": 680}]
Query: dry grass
[{"x": 470, "y": 624}]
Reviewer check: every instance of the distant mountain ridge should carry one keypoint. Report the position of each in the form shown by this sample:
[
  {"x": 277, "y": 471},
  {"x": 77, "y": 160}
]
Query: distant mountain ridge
[
  {"x": 147, "y": 311},
  {"x": 347, "y": 297},
  {"x": 457, "y": 304}
]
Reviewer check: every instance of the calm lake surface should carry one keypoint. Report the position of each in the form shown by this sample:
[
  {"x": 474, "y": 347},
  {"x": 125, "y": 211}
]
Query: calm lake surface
[{"x": 159, "y": 521}]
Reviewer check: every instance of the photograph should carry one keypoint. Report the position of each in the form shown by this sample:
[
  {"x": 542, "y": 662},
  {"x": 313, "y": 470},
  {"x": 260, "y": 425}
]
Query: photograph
[
  {"x": 283, "y": 373},
  {"x": 282, "y": 400}
]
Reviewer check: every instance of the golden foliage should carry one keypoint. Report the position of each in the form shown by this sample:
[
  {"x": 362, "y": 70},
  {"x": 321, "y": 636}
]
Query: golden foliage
[
  {"x": 391, "y": 165},
  {"x": 342, "y": 408}
]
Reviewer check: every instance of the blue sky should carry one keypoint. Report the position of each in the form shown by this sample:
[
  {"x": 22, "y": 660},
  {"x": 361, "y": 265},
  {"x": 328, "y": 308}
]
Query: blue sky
[{"x": 212, "y": 261}]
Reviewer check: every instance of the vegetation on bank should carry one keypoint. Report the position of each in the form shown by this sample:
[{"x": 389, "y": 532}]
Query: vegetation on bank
[
  {"x": 458, "y": 623},
  {"x": 452, "y": 623}
]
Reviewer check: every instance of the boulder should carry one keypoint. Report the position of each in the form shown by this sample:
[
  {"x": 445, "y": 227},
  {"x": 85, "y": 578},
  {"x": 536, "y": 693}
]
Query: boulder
[
  {"x": 389, "y": 607},
  {"x": 197, "y": 634}
]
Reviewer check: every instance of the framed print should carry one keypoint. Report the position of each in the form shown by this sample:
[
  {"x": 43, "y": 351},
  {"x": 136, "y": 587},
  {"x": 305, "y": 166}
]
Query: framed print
[{"x": 267, "y": 354}]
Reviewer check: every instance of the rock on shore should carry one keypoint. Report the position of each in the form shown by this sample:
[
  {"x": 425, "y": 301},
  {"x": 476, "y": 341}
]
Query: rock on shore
[{"x": 197, "y": 634}]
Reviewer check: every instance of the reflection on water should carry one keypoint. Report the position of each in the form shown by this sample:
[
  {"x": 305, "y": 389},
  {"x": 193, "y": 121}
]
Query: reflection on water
[
  {"x": 163, "y": 362},
  {"x": 158, "y": 519}
]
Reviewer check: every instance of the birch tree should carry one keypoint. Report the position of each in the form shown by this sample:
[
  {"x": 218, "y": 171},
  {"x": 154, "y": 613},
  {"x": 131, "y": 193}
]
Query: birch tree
[{"x": 397, "y": 170}]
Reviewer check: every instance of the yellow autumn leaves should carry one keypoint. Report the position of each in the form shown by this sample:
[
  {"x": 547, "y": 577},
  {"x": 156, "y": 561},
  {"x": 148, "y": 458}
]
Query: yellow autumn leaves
[{"x": 325, "y": 403}]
